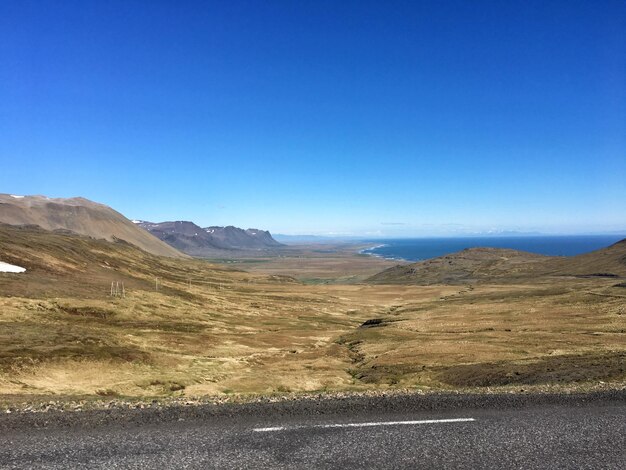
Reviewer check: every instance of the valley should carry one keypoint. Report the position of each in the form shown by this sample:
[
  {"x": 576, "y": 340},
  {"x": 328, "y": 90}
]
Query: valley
[{"x": 190, "y": 328}]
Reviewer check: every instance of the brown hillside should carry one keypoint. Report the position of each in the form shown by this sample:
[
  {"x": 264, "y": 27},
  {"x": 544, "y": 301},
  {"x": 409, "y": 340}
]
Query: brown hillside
[
  {"x": 606, "y": 262},
  {"x": 75, "y": 265},
  {"x": 503, "y": 265},
  {"x": 470, "y": 265},
  {"x": 80, "y": 216},
  {"x": 209, "y": 330}
]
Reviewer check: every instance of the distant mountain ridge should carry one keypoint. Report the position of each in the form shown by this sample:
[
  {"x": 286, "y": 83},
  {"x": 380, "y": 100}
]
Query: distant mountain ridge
[
  {"x": 80, "y": 216},
  {"x": 206, "y": 241}
]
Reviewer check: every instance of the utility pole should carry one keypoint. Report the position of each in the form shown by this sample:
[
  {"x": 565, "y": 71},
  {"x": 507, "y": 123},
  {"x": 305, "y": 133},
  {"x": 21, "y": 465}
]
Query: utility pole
[{"x": 117, "y": 289}]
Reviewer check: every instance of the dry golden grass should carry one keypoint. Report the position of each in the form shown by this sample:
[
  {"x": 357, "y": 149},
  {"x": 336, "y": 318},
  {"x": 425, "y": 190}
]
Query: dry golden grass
[
  {"x": 318, "y": 264},
  {"x": 498, "y": 335},
  {"x": 232, "y": 331}
]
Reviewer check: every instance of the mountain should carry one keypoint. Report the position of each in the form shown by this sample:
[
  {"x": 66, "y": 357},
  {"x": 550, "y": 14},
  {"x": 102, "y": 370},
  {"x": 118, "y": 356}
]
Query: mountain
[
  {"x": 209, "y": 241},
  {"x": 80, "y": 216},
  {"x": 65, "y": 264},
  {"x": 504, "y": 265}
]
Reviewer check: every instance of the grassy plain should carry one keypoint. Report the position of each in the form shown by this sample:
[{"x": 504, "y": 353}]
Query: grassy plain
[
  {"x": 338, "y": 263},
  {"x": 212, "y": 330}
]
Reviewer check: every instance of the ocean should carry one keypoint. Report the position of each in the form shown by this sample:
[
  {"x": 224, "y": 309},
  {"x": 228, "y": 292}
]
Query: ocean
[{"x": 416, "y": 249}]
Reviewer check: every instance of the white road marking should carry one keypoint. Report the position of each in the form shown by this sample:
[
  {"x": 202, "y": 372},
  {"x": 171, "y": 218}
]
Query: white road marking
[{"x": 366, "y": 425}]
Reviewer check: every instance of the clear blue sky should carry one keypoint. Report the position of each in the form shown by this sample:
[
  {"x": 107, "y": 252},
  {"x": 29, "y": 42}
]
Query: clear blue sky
[{"x": 388, "y": 118}]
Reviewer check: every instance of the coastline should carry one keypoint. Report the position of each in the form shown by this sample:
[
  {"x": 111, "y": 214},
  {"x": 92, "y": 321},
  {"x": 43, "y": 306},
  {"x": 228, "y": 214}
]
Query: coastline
[
  {"x": 365, "y": 251},
  {"x": 421, "y": 249},
  {"x": 368, "y": 252}
]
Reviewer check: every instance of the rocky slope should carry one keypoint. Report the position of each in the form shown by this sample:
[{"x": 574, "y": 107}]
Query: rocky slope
[
  {"x": 80, "y": 216},
  {"x": 197, "y": 241}
]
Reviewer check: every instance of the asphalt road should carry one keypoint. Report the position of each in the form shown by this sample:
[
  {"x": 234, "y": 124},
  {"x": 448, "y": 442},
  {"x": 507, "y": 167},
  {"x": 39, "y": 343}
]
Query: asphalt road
[{"x": 547, "y": 431}]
